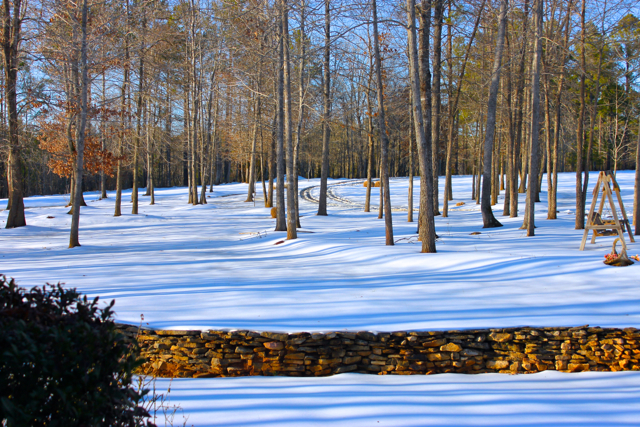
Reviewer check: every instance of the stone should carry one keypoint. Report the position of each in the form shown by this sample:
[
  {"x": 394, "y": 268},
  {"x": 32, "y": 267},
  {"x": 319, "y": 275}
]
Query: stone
[
  {"x": 274, "y": 345},
  {"x": 578, "y": 367},
  {"x": 434, "y": 343},
  {"x": 173, "y": 332},
  {"x": 299, "y": 356},
  {"x": 452, "y": 347},
  {"x": 159, "y": 365},
  {"x": 367, "y": 336},
  {"x": 500, "y": 337},
  {"x": 438, "y": 356},
  {"x": 323, "y": 361},
  {"x": 348, "y": 368},
  {"x": 376, "y": 357},
  {"x": 470, "y": 352},
  {"x": 359, "y": 348},
  {"x": 351, "y": 360},
  {"x": 497, "y": 364},
  {"x": 275, "y": 336}
]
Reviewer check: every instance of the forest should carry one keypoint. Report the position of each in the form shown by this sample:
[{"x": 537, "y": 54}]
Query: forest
[{"x": 109, "y": 95}]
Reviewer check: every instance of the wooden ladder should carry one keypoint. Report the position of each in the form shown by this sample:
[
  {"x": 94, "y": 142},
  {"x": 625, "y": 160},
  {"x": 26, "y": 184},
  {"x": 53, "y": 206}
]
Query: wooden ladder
[{"x": 594, "y": 221}]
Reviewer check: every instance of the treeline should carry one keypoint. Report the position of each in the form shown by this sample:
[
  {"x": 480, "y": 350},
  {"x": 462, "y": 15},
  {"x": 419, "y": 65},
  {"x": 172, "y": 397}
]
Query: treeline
[{"x": 105, "y": 95}]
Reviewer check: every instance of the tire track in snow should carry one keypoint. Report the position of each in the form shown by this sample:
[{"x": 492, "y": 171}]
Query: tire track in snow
[{"x": 339, "y": 201}]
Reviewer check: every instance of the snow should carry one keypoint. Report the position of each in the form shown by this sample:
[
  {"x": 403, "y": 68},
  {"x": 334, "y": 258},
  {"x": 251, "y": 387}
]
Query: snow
[
  {"x": 545, "y": 399},
  {"x": 218, "y": 267}
]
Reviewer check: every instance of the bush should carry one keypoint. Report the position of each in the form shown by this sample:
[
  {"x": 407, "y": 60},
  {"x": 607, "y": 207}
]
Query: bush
[{"x": 62, "y": 363}]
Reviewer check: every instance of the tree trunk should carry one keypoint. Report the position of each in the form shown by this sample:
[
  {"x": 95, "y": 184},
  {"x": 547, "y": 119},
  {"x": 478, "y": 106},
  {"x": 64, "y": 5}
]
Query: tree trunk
[
  {"x": 82, "y": 124},
  {"x": 10, "y": 41},
  {"x": 281, "y": 222},
  {"x": 149, "y": 153},
  {"x": 123, "y": 104},
  {"x": 636, "y": 193},
  {"x": 412, "y": 139},
  {"x": 301, "y": 92},
  {"x": 139, "y": 113},
  {"x": 382, "y": 126},
  {"x": 288, "y": 127},
  {"x": 326, "y": 114},
  {"x": 436, "y": 100},
  {"x": 579, "y": 224},
  {"x": 535, "y": 123},
  {"x": 488, "y": 218},
  {"x": 367, "y": 202},
  {"x": 420, "y": 88},
  {"x": 254, "y": 142},
  {"x": 272, "y": 157},
  {"x": 453, "y": 110}
]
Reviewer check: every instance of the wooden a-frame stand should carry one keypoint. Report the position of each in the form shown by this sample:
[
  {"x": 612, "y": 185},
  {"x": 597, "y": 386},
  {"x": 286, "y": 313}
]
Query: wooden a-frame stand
[{"x": 594, "y": 220}]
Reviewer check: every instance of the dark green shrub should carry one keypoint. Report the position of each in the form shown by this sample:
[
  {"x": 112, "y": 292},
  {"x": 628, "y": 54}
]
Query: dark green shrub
[{"x": 62, "y": 363}]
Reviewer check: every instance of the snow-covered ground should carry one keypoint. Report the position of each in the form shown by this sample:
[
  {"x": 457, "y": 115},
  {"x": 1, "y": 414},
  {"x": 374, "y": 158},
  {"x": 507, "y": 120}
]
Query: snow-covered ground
[
  {"x": 218, "y": 266},
  {"x": 549, "y": 398}
]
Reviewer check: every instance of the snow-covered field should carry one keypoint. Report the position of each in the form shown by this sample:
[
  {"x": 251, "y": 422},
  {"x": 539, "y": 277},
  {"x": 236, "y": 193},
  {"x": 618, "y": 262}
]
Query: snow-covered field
[{"x": 218, "y": 266}]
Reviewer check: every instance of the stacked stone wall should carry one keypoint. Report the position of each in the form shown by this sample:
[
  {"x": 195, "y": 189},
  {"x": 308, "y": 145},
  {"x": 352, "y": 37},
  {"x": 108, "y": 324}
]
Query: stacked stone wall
[{"x": 169, "y": 353}]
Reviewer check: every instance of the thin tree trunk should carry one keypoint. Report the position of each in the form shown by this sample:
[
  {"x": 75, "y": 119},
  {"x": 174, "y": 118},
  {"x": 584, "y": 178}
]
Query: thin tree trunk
[
  {"x": 301, "y": 110},
  {"x": 636, "y": 193},
  {"x": 453, "y": 111},
  {"x": 254, "y": 142},
  {"x": 436, "y": 100},
  {"x": 272, "y": 157},
  {"x": 579, "y": 224},
  {"x": 281, "y": 222},
  {"x": 103, "y": 184},
  {"x": 123, "y": 104},
  {"x": 535, "y": 123},
  {"x": 367, "y": 202},
  {"x": 513, "y": 185},
  {"x": 82, "y": 124},
  {"x": 382, "y": 126},
  {"x": 488, "y": 218},
  {"x": 326, "y": 114},
  {"x": 288, "y": 128},
  {"x": 412, "y": 139},
  {"x": 139, "y": 113}
]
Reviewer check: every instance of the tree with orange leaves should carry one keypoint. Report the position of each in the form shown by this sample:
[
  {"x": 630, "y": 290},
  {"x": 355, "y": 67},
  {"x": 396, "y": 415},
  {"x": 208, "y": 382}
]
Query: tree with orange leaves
[{"x": 54, "y": 138}]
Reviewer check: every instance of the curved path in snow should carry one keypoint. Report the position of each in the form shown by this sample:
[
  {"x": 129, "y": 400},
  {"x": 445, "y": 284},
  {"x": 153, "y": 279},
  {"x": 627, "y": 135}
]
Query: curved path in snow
[{"x": 334, "y": 199}]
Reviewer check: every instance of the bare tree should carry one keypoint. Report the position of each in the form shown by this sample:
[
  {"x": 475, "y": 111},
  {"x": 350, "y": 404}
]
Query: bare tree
[
  {"x": 382, "y": 126},
  {"x": 288, "y": 127},
  {"x": 10, "y": 40},
  {"x": 488, "y": 218},
  {"x": 426, "y": 225},
  {"x": 529, "y": 220},
  {"x": 326, "y": 113},
  {"x": 82, "y": 125}
]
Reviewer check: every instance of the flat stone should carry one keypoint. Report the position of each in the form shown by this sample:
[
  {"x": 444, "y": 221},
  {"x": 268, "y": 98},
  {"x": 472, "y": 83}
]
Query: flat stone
[
  {"x": 500, "y": 337},
  {"x": 274, "y": 345},
  {"x": 452, "y": 347},
  {"x": 434, "y": 343},
  {"x": 351, "y": 360},
  {"x": 348, "y": 368},
  {"x": 438, "y": 356},
  {"x": 295, "y": 356},
  {"x": 275, "y": 336},
  {"x": 368, "y": 336},
  {"x": 174, "y": 332},
  {"x": 497, "y": 364}
]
